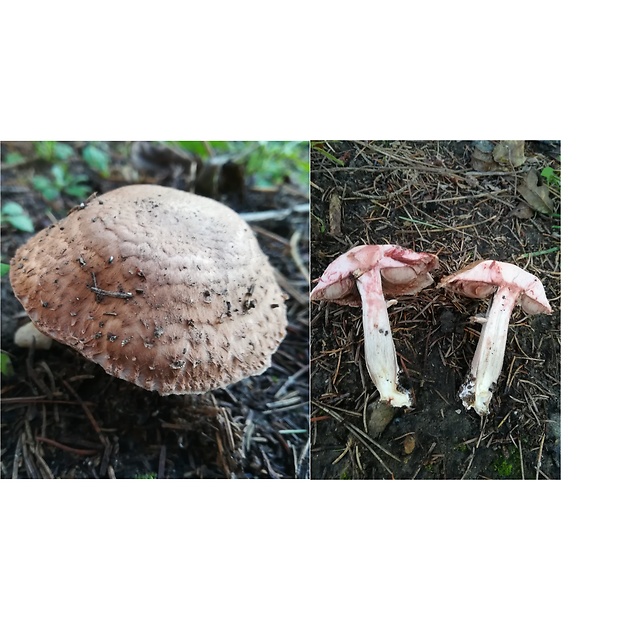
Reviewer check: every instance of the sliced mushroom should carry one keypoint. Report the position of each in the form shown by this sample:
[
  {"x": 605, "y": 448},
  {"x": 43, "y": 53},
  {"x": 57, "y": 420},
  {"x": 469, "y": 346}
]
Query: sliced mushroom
[
  {"x": 363, "y": 276},
  {"x": 162, "y": 288},
  {"x": 512, "y": 286}
]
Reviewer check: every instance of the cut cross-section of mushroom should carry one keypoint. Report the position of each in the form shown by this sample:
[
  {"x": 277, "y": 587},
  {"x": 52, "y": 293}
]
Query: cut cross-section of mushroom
[
  {"x": 162, "y": 288},
  {"x": 512, "y": 286},
  {"x": 364, "y": 276}
]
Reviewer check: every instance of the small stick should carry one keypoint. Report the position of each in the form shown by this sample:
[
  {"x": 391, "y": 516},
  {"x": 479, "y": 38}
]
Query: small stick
[
  {"x": 89, "y": 415},
  {"x": 44, "y": 400},
  {"x": 161, "y": 468},
  {"x": 294, "y": 246},
  {"x": 99, "y": 292},
  {"x": 302, "y": 458},
  {"x": 17, "y": 457},
  {"x": 62, "y": 446},
  {"x": 32, "y": 471},
  {"x": 539, "y": 460},
  {"x": 221, "y": 455}
]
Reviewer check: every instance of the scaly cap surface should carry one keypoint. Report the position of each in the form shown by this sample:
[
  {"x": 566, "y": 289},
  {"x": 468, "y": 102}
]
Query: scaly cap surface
[{"x": 162, "y": 288}]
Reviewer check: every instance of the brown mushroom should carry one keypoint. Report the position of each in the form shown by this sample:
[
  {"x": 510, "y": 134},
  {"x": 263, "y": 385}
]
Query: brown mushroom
[
  {"x": 512, "y": 286},
  {"x": 162, "y": 288},
  {"x": 361, "y": 277}
]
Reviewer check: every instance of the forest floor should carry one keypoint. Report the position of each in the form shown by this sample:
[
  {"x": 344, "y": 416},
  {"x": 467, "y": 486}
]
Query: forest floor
[{"x": 454, "y": 200}]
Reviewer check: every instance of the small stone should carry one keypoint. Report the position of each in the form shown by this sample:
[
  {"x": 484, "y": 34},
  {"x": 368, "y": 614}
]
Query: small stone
[
  {"x": 381, "y": 414},
  {"x": 409, "y": 444}
]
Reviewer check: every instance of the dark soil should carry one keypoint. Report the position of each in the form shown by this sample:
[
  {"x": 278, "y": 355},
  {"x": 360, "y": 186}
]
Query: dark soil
[
  {"x": 426, "y": 196},
  {"x": 64, "y": 417}
]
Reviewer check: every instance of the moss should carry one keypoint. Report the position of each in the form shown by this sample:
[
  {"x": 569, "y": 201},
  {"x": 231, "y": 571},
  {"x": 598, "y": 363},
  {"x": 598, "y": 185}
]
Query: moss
[
  {"x": 503, "y": 468},
  {"x": 507, "y": 465}
]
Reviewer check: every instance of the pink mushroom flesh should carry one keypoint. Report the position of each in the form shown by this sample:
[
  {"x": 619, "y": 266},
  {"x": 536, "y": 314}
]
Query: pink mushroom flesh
[
  {"x": 512, "y": 286},
  {"x": 362, "y": 276}
]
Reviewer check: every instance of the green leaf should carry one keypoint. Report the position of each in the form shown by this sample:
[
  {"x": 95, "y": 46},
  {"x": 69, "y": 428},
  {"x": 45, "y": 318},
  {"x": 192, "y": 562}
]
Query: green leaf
[
  {"x": 6, "y": 367},
  {"x": 4, "y": 269},
  {"x": 226, "y": 146},
  {"x": 59, "y": 174},
  {"x": 269, "y": 162},
  {"x": 11, "y": 208},
  {"x": 77, "y": 191},
  {"x": 14, "y": 158},
  {"x": 40, "y": 183},
  {"x": 329, "y": 156},
  {"x": 51, "y": 193},
  {"x": 45, "y": 150},
  {"x": 63, "y": 151},
  {"x": 97, "y": 159},
  {"x": 21, "y": 222},
  {"x": 51, "y": 150},
  {"x": 272, "y": 162},
  {"x": 46, "y": 187},
  {"x": 194, "y": 146},
  {"x": 15, "y": 215},
  {"x": 550, "y": 176}
]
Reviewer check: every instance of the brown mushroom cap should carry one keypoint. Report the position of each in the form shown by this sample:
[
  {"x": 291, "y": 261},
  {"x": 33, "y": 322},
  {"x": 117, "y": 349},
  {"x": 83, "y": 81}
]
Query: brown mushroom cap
[{"x": 162, "y": 288}]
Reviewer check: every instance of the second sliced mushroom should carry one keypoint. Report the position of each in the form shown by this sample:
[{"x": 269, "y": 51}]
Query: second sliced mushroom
[
  {"x": 363, "y": 276},
  {"x": 512, "y": 286}
]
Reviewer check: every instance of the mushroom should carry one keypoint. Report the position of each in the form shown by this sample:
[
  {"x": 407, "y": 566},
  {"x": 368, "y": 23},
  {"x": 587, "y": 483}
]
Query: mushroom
[
  {"x": 362, "y": 276},
  {"x": 162, "y": 288},
  {"x": 512, "y": 286},
  {"x": 28, "y": 336}
]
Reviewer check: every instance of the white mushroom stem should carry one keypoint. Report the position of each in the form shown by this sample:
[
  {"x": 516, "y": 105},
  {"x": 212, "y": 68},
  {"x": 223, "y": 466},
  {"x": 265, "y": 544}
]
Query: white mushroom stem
[
  {"x": 28, "y": 336},
  {"x": 378, "y": 344},
  {"x": 488, "y": 359}
]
